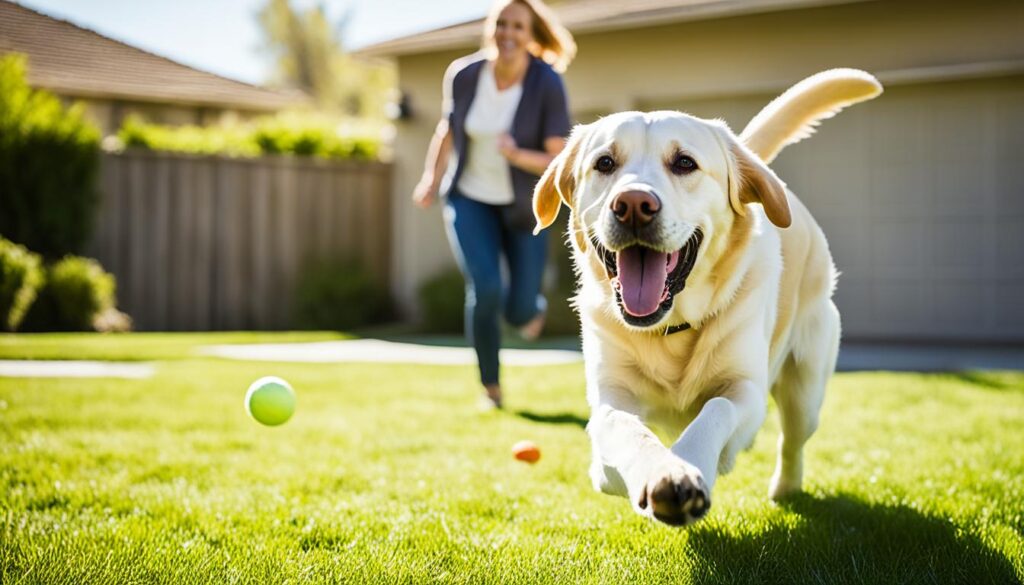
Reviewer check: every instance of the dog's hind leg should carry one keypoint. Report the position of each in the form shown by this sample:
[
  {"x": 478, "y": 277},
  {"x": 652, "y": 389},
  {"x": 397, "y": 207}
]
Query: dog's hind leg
[{"x": 799, "y": 392}]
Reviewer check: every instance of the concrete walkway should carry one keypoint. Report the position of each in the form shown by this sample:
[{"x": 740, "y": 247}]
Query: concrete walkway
[
  {"x": 74, "y": 369},
  {"x": 852, "y": 357},
  {"x": 380, "y": 351}
]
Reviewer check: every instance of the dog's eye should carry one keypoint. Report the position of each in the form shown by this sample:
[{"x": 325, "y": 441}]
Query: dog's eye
[
  {"x": 683, "y": 165},
  {"x": 605, "y": 165}
]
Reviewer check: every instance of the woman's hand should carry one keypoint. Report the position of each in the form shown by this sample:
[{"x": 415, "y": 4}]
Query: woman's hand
[
  {"x": 507, "y": 147},
  {"x": 531, "y": 161},
  {"x": 425, "y": 192},
  {"x": 434, "y": 167}
]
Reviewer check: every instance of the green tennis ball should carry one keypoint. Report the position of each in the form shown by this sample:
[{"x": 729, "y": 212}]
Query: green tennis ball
[{"x": 270, "y": 400}]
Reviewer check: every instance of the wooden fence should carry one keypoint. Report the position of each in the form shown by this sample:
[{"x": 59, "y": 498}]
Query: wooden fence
[{"x": 214, "y": 243}]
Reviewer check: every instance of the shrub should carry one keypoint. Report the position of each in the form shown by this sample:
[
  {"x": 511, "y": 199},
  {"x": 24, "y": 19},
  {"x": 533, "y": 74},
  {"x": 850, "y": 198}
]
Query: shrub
[
  {"x": 561, "y": 319},
  {"x": 21, "y": 275},
  {"x": 284, "y": 134},
  {"x": 49, "y": 164},
  {"x": 339, "y": 295},
  {"x": 312, "y": 137},
  {"x": 223, "y": 140},
  {"x": 442, "y": 301},
  {"x": 77, "y": 294}
]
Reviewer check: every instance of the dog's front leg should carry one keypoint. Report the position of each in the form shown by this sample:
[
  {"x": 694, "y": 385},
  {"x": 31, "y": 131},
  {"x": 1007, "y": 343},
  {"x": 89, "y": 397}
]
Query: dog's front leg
[
  {"x": 725, "y": 425},
  {"x": 630, "y": 460}
]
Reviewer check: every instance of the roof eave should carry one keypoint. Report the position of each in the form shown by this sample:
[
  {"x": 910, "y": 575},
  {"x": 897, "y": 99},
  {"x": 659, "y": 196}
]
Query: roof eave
[
  {"x": 415, "y": 43},
  {"x": 233, "y": 104},
  {"x": 269, "y": 101}
]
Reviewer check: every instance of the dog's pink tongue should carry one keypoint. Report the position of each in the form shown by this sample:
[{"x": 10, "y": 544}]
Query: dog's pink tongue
[{"x": 642, "y": 274}]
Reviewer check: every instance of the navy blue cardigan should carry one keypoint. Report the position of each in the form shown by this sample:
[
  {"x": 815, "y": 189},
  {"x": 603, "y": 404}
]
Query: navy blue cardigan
[{"x": 542, "y": 114}]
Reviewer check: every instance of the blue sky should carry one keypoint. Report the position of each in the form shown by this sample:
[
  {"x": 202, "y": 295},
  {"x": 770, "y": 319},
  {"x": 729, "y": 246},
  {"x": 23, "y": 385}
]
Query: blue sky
[{"x": 222, "y": 35}]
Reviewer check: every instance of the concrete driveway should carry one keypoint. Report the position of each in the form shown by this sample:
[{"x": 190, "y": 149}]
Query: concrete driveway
[{"x": 902, "y": 357}]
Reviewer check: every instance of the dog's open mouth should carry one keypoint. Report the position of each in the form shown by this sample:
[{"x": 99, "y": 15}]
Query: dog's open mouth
[{"x": 646, "y": 280}]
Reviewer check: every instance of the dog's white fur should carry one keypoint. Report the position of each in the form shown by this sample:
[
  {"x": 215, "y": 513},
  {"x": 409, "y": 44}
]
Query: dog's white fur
[{"x": 758, "y": 298}]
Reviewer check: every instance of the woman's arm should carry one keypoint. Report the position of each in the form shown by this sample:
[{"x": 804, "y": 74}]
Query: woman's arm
[
  {"x": 438, "y": 153},
  {"x": 531, "y": 161},
  {"x": 554, "y": 126}
]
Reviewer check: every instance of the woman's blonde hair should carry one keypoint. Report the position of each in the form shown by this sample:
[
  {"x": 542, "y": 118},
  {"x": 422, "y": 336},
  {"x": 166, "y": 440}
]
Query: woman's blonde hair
[{"x": 552, "y": 42}]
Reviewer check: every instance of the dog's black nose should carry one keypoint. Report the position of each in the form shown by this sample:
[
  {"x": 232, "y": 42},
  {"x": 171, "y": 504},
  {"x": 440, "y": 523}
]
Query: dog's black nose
[{"x": 636, "y": 208}]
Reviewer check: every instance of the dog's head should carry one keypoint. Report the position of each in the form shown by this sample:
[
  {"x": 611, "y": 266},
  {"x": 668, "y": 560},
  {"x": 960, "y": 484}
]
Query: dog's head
[{"x": 650, "y": 194}]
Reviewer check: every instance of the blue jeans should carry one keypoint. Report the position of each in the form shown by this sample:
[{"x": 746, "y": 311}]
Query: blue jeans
[{"x": 479, "y": 237}]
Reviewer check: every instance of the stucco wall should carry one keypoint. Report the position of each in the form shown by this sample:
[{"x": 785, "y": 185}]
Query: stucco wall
[
  {"x": 731, "y": 59},
  {"x": 420, "y": 248}
]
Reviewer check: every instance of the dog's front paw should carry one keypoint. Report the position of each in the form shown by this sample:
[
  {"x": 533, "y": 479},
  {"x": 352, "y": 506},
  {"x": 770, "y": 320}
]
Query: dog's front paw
[{"x": 675, "y": 494}]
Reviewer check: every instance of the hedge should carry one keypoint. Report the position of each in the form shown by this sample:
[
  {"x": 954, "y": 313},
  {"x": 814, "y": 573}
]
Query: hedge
[
  {"x": 287, "y": 135},
  {"x": 49, "y": 167}
]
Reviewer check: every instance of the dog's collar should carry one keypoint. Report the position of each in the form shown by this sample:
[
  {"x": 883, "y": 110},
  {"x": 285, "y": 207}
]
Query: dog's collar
[{"x": 676, "y": 328}]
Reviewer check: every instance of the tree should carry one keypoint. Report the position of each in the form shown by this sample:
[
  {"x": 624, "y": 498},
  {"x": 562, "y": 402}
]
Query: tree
[{"x": 310, "y": 56}]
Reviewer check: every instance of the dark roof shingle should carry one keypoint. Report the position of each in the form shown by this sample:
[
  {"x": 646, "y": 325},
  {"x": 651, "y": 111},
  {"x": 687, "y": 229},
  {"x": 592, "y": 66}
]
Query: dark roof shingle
[{"x": 78, "y": 62}]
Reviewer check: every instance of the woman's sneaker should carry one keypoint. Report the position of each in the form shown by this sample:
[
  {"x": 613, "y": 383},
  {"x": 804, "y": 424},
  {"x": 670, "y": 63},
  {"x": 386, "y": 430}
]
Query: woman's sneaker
[{"x": 492, "y": 398}]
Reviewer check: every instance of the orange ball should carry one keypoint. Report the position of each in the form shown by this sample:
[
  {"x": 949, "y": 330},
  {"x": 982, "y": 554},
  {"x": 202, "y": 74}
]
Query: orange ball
[{"x": 526, "y": 451}]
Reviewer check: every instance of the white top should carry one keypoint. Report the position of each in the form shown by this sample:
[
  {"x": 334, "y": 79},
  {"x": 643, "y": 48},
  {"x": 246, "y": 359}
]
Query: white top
[{"x": 486, "y": 177}]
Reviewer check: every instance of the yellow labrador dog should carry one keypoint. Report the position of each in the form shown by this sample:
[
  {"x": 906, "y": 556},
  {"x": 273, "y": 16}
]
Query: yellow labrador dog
[{"x": 704, "y": 285}]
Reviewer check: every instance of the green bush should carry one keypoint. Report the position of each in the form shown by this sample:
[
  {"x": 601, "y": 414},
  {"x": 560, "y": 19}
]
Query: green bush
[
  {"x": 222, "y": 140},
  {"x": 339, "y": 296},
  {"x": 49, "y": 165},
  {"x": 442, "y": 301},
  {"x": 21, "y": 275},
  {"x": 561, "y": 319},
  {"x": 77, "y": 293},
  {"x": 295, "y": 135},
  {"x": 312, "y": 138}
]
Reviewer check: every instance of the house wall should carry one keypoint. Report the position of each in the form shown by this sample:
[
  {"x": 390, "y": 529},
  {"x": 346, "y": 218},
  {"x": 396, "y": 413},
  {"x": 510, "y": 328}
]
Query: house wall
[{"x": 733, "y": 63}]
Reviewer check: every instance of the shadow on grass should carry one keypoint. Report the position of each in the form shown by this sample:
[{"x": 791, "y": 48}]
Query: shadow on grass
[
  {"x": 842, "y": 539},
  {"x": 561, "y": 418}
]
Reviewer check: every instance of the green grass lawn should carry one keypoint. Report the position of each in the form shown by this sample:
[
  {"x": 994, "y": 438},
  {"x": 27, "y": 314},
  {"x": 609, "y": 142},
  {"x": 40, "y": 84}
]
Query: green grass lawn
[{"x": 389, "y": 474}]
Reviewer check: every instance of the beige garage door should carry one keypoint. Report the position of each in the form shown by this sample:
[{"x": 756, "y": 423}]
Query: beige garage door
[{"x": 921, "y": 194}]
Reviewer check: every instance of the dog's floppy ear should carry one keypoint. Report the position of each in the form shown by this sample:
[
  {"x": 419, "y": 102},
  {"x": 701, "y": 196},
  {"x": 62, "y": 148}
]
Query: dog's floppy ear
[
  {"x": 558, "y": 182},
  {"x": 751, "y": 181}
]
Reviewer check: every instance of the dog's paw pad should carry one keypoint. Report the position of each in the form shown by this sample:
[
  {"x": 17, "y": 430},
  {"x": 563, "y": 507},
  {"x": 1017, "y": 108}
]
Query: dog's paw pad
[{"x": 677, "y": 499}]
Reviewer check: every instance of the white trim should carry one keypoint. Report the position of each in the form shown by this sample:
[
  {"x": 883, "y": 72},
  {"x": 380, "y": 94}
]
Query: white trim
[
  {"x": 709, "y": 11},
  {"x": 416, "y": 45},
  {"x": 955, "y": 72},
  {"x": 890, "y": 78}
]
